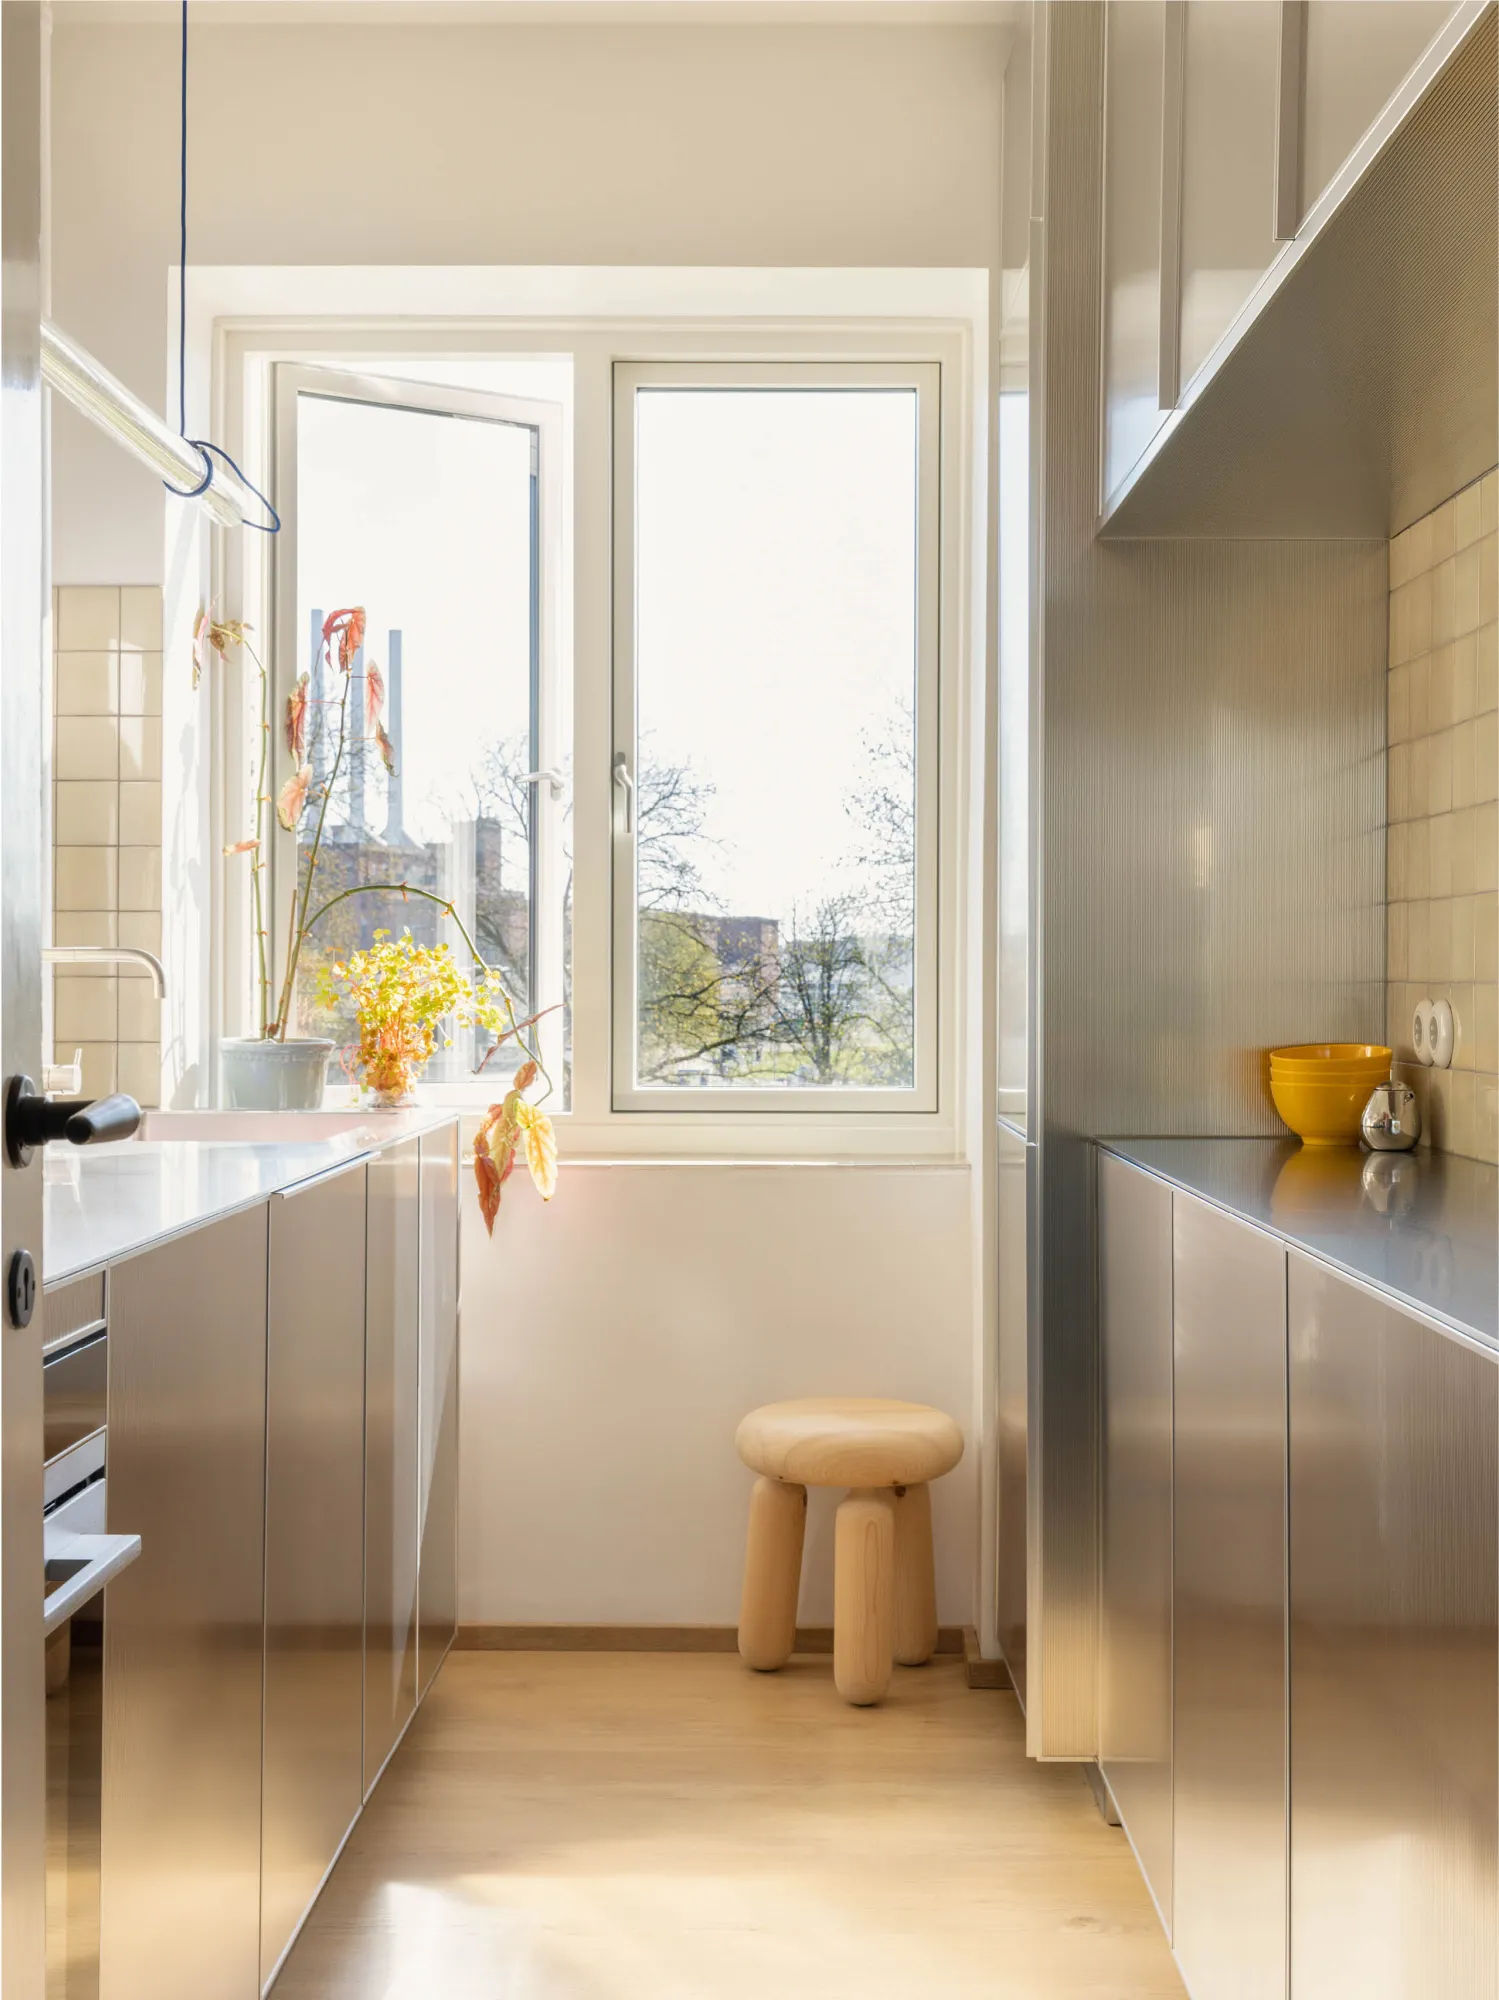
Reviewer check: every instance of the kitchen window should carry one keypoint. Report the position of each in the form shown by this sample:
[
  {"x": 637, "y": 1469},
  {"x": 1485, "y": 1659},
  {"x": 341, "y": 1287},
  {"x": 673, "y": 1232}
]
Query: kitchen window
[
  {"x": 775, "y": 750},
  {"x": 660, "y": 644}
]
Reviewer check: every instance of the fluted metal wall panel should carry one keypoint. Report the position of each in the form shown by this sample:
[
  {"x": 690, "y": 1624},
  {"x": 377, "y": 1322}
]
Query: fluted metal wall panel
[
  {"x": 1208, "y": 807},
  {"x": 1366, "y": 391}
]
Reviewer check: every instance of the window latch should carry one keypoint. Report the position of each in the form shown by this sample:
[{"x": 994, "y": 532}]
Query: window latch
[
  {"x": 551, "y": 777},
  {"x": 625, "y": 784}
]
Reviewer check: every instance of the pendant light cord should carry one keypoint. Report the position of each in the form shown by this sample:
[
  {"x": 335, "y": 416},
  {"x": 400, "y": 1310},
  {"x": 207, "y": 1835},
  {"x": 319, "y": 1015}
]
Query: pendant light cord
[{"x": 207, "y": 450}]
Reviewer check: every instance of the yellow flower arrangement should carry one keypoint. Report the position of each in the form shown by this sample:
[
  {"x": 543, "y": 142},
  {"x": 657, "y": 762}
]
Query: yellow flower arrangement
[{"x": 405, "y": 995}]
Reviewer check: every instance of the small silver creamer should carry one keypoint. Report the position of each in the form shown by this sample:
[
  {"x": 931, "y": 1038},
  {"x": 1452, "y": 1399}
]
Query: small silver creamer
[{"x": 1392, "y": 1119}]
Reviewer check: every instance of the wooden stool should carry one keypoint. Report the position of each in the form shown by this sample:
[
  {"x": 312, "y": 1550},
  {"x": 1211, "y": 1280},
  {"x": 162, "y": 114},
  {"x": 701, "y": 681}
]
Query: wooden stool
[{"x": 884, "y": 1590}]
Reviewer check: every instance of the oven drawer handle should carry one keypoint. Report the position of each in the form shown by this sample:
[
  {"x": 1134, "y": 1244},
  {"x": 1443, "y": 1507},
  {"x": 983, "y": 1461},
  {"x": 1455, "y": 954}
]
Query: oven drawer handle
[{"x": 77, "y": 1566}]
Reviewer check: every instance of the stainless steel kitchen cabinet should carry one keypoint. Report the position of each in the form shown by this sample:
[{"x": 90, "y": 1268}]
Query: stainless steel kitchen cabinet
[
  {"x": 391, "y": 1449},
  {"x": 437, "y": 1591},
  {"x": 1357, "y": 53},
  {"x": 1394, "y": 1438},
  {"x": 1228, "y": 165},
  {"x": 180, "y": 1805},
  {"x": 1229, "y": 1596},
  {"x": 1134, "y": 129},
  {"x": 1134, "y": 1721},
  {"x": 314, "y": 1545}
]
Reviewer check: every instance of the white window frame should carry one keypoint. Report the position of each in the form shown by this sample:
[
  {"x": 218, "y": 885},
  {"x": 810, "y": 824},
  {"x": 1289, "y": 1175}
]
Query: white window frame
[
  {"x": 924, "y": 381},
  {"x": 291, "y": 380},
  {"x": 244, "y": 319}
]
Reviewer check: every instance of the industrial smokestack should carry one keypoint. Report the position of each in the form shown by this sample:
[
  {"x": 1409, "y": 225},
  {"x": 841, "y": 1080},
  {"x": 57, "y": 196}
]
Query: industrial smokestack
[{"x": 395, "y": 829}]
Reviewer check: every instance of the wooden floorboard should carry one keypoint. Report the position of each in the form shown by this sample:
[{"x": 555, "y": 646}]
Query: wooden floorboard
[{"x": 588, "y": 1826}]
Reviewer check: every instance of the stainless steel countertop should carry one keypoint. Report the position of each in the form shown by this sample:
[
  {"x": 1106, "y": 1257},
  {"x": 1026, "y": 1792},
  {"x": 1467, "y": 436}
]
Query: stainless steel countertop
[
  {"x": 1422, "y": 1227},
  {"x": 102, "y": 1203}
]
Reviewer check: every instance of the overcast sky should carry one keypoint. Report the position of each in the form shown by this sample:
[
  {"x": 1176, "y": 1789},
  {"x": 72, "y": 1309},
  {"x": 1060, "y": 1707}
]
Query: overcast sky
[{"x": 776, "y": 609}]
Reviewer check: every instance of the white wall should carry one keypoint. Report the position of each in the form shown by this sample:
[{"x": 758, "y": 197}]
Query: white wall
[
  {"x": 486, "y": 145},
  {"x": 612, "y": 1343}
]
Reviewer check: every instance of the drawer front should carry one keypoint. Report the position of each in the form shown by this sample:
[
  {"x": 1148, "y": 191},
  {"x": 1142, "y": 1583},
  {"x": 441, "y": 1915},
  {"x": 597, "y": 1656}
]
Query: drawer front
[
  {"x": 70, "y": 1308},
  {"x": 75, "y": 1386}
]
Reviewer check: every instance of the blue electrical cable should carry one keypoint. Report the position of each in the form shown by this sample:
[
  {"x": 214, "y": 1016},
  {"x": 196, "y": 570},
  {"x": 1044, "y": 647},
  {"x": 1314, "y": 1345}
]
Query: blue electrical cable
[{"x": 205, "y": 447}]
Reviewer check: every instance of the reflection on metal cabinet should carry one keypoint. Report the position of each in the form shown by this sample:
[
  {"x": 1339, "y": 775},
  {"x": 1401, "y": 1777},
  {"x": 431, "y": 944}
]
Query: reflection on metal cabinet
[
  {"x": 1394, "y": 1651},
  {"x": 180, "y": 1811},
  {"x": 1229, "y": 1594},
  {"x": 314, "y": 1552},
  {"x": 1134, "y": 1718},
  {"x": 391, "y": 1444},
  {"x": 1014, "y": 1337},
  {"x": 438, "y": 1531}
]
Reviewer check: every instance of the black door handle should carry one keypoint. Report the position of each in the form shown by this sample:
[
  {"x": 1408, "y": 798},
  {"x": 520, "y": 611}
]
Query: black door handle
[{"x": 32, "y": 1120}]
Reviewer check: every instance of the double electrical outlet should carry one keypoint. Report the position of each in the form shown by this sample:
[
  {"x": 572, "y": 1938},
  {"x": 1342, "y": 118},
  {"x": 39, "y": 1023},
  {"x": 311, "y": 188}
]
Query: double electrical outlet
[{"x": 1434, "y": 1033}]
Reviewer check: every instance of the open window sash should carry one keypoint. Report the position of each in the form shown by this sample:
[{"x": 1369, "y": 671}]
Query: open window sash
[{"x": 507, "y": 620}]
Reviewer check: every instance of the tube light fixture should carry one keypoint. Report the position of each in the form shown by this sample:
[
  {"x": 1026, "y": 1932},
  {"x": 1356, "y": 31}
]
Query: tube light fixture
[{"x": 88, "y": 385}]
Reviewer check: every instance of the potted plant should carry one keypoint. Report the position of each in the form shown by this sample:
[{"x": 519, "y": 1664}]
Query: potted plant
[{"x": 275, "y": 1070}]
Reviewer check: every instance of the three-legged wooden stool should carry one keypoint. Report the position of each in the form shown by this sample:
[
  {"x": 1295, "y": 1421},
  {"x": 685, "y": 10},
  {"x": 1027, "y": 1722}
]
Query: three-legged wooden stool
[{"x": 884, "y": 1592}]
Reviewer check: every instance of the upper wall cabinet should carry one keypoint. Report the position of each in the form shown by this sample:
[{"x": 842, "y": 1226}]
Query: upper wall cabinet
[
  {"x": 1133, "y": 400},
  {"x": 1357, "y": 54},
  {"x": 1228, "y": 165},
  {"x": 1282, "y": 178}
]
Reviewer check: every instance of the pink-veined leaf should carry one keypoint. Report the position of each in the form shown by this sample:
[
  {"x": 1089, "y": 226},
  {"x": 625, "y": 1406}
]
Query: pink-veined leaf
[
  {"x": 526, "y": 1075},
  {"x": 487, "y": 1177},
  {"x": 386, "y": 748},
  {"x": 242, "y": 847},
  {"x": 293, "y": 798},
  {"x": 374, "y": 694},
  {"x": 347, "y": 626},
  {"x": 541, "y": 1149}
]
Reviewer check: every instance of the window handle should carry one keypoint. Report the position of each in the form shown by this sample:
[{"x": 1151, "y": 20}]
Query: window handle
[
  {"x": 551, "y": 777},
  {"x": 623, "y": 782}
]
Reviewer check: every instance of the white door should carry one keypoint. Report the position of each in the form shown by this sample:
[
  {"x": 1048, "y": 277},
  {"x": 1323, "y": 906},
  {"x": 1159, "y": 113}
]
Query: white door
[{"x": 22, "y": 1729}]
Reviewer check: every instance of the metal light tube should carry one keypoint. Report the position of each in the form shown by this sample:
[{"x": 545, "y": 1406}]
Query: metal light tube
[{"x": 73, "y": 372}]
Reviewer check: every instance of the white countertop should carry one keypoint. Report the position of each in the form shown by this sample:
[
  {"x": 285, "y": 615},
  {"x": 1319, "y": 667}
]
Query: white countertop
[{"x": 102, "y": 1203}]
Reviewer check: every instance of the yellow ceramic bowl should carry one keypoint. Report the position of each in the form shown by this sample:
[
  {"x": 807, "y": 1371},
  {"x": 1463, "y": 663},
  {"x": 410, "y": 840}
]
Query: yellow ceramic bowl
[
  {"x": 1313, "y": 1057},
  {"x": 1334, "y": 1073},
  {"x": 1322, "y": 1113}
]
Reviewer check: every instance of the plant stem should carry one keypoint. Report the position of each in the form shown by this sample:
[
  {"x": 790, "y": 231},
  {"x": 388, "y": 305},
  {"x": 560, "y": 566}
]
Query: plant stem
[{"x": 259, "y": 850}]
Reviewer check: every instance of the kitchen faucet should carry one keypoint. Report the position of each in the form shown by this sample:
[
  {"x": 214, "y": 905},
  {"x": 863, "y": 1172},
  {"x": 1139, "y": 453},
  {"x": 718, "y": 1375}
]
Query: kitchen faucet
[
  {"x": 66, "y": 1079},
  {"x": 108, "y": 954}
]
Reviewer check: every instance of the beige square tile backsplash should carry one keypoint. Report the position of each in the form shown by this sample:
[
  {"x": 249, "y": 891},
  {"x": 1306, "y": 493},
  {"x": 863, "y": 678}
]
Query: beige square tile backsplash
[
  {"x": 106, "y": 829},
  {"x": 1443, "y": 861}
]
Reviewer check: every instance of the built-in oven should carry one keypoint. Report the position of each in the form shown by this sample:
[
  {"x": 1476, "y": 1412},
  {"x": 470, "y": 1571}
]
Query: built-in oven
[{"x": 80, "y": 1556}]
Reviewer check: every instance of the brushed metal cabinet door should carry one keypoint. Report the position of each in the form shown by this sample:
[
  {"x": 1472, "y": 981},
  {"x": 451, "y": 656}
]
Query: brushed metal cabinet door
[
  {"x": 1134, "y": 1719},
  {"x": 437, "y": 1592},
  {"x": 180, "y": 1805},
  {"x": 1229, "y": 1931},
  {"x": 1394, "y": 1651},
  {"x": 391, "y": 1449},
  {"x": 314, "y": 1546}
]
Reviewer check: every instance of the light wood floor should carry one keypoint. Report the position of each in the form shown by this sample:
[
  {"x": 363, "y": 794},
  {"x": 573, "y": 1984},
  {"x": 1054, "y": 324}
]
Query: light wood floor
[{"x": 672, "y": 1827}]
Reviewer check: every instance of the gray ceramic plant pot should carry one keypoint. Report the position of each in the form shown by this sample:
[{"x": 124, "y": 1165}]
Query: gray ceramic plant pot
[{"x": 274, "y": 1076}]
